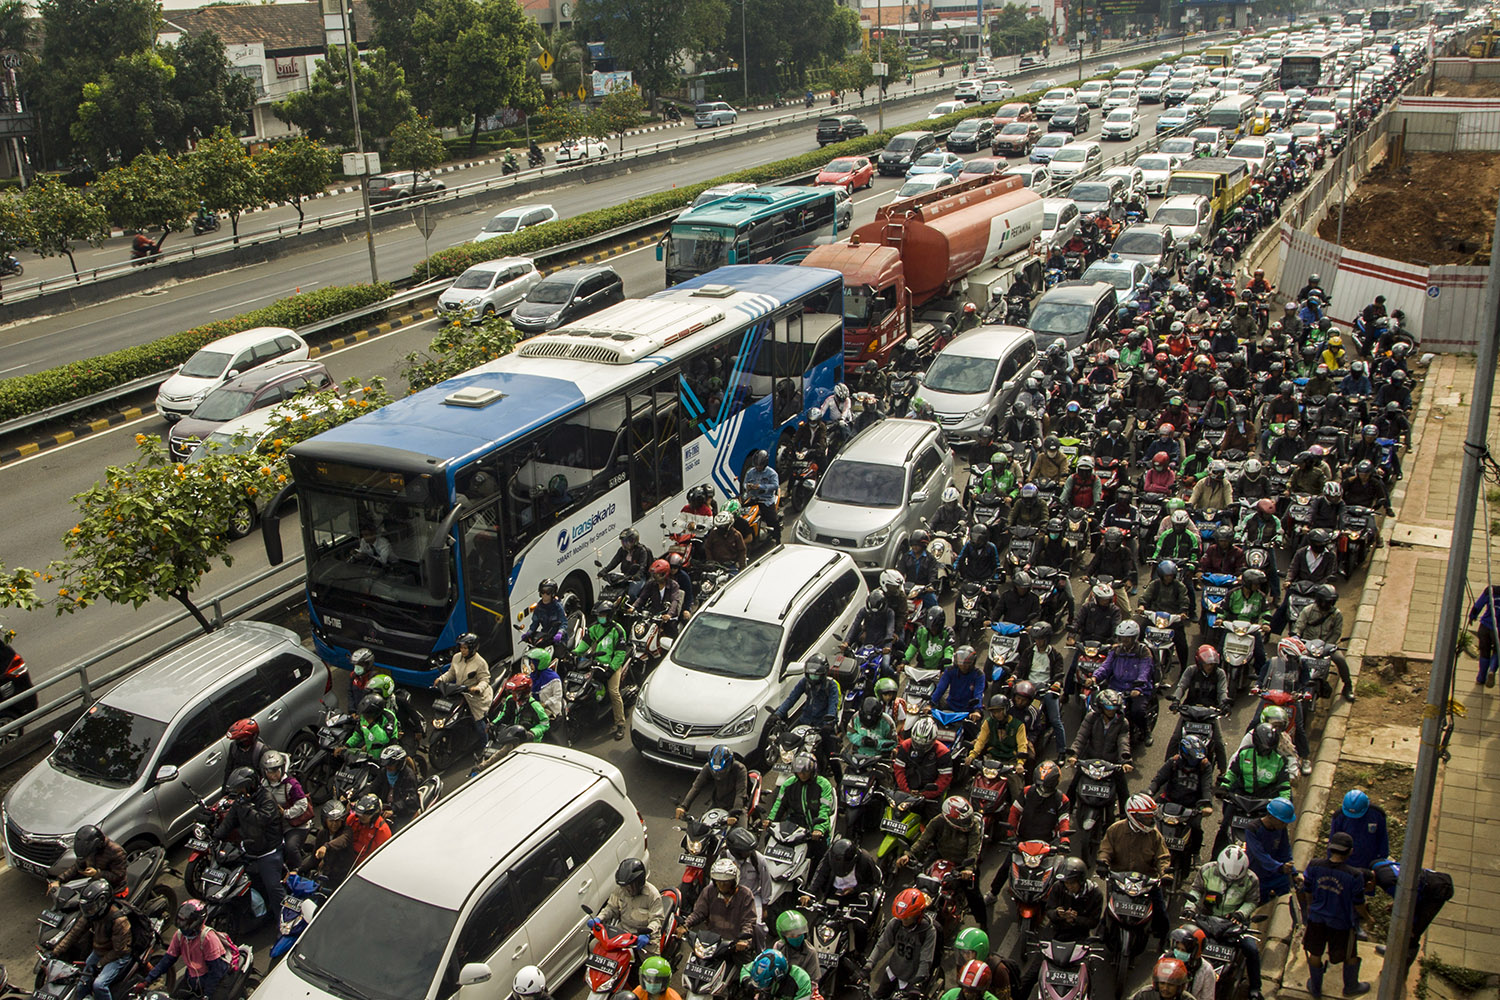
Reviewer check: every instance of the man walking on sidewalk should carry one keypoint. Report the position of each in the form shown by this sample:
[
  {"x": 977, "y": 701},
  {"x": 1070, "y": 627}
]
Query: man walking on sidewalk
[{"x": 1333, "y": 898}]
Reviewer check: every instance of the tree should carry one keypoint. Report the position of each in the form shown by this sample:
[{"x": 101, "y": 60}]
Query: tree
[
  {"x": 394, "y": 20},
  {"x": 294, "y": 169},
  {"x": 17, "y": 227},
  {"x": 415, "y": 146},
  {"x": 61, "y": 216},
  {"x": 788, "y": 36},
  {"x": 153, "y": 192},
  {"x": 457, "y": 348},
  {"x": 130, "y": 109},
  {"x": 322, "y": 110},
  {"x": 210, "y": 92},
  {"x": 474, "y": 57},
  {"x": 617, "y": 114},
  {"x": 225, "y": 177},
  {"x": 1014, "y": 31},
  {"x": 81, "y": 40},
  {"x": 563, "y": 122},
  {"x": 652, "y": 38}
]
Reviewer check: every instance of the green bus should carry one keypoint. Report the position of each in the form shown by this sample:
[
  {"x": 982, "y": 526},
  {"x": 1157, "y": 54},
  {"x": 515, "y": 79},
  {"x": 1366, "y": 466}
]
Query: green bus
[{"x": 758, "y": 226}]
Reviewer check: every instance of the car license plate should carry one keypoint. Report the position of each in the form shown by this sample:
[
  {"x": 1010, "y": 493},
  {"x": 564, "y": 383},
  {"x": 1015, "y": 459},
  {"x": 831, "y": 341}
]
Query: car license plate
[
  {"x": 779, "y": 852},
  {"x": 691, "y": 860},
  {"x": 675, "y": 749},
  {"x": 893, "y": 826},
  {"x": 700, "y": 970},
  {"x": 1096, "y": 788},
  {"x": 29, "y": 866},
  {"x": 601, "y": 963},
  {"x": 1062, "y": 977},
  {"x": 1238, "y": 645}
]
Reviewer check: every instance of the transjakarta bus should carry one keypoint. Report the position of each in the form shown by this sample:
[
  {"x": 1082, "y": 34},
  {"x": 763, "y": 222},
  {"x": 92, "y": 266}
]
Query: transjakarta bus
[
  {"x": 1380, "y": 18},
  {"x": 528, "y": 467},
  {"x": 752, "y": 227},
  {"x": 1354, "y": 17},
  {"x": 1313, "y": 70}
]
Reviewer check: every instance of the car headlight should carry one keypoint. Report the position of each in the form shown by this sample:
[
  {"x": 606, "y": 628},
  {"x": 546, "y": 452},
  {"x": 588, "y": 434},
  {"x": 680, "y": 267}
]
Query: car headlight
[
  {"x": 877, "y": 537},
  {"x": 744, "y": 727},
  {"x": 802, "y": 531},
  {"x": 978, "y": 411}
]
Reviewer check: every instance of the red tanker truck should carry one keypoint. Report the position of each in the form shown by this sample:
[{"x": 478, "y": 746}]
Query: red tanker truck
[{"x": 910, "y": 272}]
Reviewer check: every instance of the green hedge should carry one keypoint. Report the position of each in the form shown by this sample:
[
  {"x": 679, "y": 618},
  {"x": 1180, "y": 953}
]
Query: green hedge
[{"x": 29, "y": 393}]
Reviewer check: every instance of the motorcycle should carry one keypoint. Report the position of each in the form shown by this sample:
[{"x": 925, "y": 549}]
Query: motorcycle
[
  {"x": 1356, "y": 535},
  {"x": 861, "y": 791},
  {"x": 1091, "y": 656},
  {"x": 1221, "y": 950},
  {"x": 140, "y": 254},
  {"x": 702, "y": 840},
  {"x": 450, "y": 731},
  {"x": 15, "y": 682},
  {"x": 1050, "y": 586},
  {"x": 1300, "y": 594},
  {"x": 787, "y": 858},
  {"x": 917, "y": 684},
  {"x": 1298, "y": 518},
  {"x": 835, "y": 927},
  {"x": 143, "y": 891},
  {"x": 1018, "y": 548},
  {"x": 1178, "y": 824},
  {"x": 673, "y": 115},
  {"x": 900, "y": 826},
  {"x": 1127, "y": 919},
  {"x": 612, "y": 957},
  {"x": 10, "y": 266},
  {"x": 941, "y": 884},
  {"x": 967, "y": 616},
  {"x": 1161, "y": 637},
  {"x": 903, "y": 388},
  {"x": 535, "y": 157},
  {"x": 952, "y": 730},
  {"x": 223, "y": 880},
  {"x": 1093, "y": 803},
  {"x": 991, "y": 793},
  {"x": 944, "y": 549},
  {"x": 1064, "y": 973},
  {"x": 710, "y": 960},
  {"x": 1213, "y": 594},
  {"x": 1033, "y": 866},
  {"x": 1239, "y": 639},
  {"x": 510, "y": 165},
  {"x": 1240, "y": 812},
  {"x": 1005, "y": 648},
  {"x": 804, "y": 482},
  {"x": 357, "y": 770},
  {"x": 857, "y": 674},
  {"x": 586, "y": 703},
  {"x": 205, "y": 224},
  {"x": 303, "y": 896},
  {"x": 989, "y": 508}
]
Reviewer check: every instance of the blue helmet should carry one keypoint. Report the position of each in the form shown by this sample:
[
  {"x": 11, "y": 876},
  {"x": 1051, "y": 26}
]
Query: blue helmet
[
  {"x": 1193, "y": 748},
  {"x": 769, "y": 966},
  {"x": 720, "y": 758},
  {"x": 1356, "y": 803},
  {"x": 1167, "y": 568},
  {"x": 1282, "y": 809}
]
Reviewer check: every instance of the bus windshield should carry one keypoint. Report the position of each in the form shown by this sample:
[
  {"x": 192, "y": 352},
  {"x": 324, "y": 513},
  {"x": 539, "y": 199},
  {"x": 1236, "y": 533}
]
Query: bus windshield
[
  {"x": 698, "y": 248},
  {"x": 369, "y": 547}
]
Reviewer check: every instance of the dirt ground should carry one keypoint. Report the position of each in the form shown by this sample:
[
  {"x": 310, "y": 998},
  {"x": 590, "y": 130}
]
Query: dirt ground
[
  {"x": 1444, "y": 87},
  {"x": 1438, "y": 208}
]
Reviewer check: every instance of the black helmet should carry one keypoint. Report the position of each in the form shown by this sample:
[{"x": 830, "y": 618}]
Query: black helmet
[
  {"x": 815, "y": 667},
  {"x": 875, "y": 603},
  {"x": 630, "y": 872},
  {"x": 241, "y": 780},
  {"x": 1224, "y": 533},
  {"x": 1203, "y": 446},
  {"x": 934, "y": 619},
  {"x": 629, "y": 536},
  {"x": 842, "y": 854},
  {"x": 870, "y": 710},
  {"x": 979, "y": 534},
  {"x": 190, "y": 918},
  {"x": 1114, "y": 537},
  {"x": 87, "y": 841},
  {"x": 547, "y": 587},
  {"x": 95, "y": 896},
  {"x": 1265, "y": 738},
  {"x": 373, "y": 704},
  {"x": 1050, "y": 442},
  {"x": 1393, "y": 407},
  {"x": 1325, "y": 594},
  {"x": 1054, "y": 524},
  {"x": 740, "y": 841},
  {"x": 605, "y": 609},
  {"x": 1319, "y": 537},
  {"x": 999, "y": 701},
  {"x": 1071, "y": 869}
]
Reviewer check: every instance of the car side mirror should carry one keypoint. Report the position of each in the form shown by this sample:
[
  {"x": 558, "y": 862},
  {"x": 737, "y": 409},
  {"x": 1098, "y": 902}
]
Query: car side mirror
[
  {"x": 474, "y": 973},
  {"x": 665, "y": 642},
  {"x": 233, "y": 374},
  {"x": 57, "y": 735},
  {"x": 165, "y": 774},
  {"x": 919, "y": 497}
]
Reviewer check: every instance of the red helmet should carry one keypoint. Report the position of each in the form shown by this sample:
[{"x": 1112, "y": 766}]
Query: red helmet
[
  {"x": 245, "y": 732},
  {"x": 1161, "y": 458},
  {"x": 975, "y": 975},
  {"x": 1170, "y": 970},
  {"x": 661, "y": 568},
  {"x": 519, "y": 686},
  {"x": 909, "y": 903},
  {"x": 1207, "y": 654},
  {"x": 1166, "y": 429}
]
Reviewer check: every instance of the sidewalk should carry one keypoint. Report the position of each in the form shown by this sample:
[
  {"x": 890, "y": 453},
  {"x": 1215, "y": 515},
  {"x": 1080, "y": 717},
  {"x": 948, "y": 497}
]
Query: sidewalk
[{"x": 1394, "y": 634}]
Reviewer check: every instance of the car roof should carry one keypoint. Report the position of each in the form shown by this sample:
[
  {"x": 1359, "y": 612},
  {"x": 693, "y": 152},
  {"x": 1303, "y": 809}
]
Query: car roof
[
  {"x": 1056, "y": 204},
  {"x": 498, "y": 263},
  {"x": 914, "y": 133},
  {"x": 987, "y": 342},
  {"x": 580, "y": 271},
  {"x": 520, "y": 210},
  {"x": 1079, "y": 291},
  {"x": 1183, "y": 201},
  {"x": 248, "y": 338},
  {"x": 889, "y": 441},
  {"x": 760, "y": 590},
  {"x": 179, "y": 678},
  {"x": 266, "y": 374},
  {"x": 482, "y": 824}
]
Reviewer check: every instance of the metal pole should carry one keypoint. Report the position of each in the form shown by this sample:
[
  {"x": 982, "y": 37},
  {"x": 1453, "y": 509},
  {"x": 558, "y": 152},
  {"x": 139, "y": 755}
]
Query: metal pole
[
  {"x": 1393, "y": 978},
  {"x": 880, "y": 58},
  {"x": 744, "y": 58},
  {"x": 359, "y": 139}
]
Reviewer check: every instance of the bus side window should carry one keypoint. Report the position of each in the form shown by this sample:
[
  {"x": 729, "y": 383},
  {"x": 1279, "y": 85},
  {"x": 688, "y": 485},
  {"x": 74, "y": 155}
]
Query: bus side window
[
  {"x": 655, "y": 446},
  {"x": 787, "y": 366}
]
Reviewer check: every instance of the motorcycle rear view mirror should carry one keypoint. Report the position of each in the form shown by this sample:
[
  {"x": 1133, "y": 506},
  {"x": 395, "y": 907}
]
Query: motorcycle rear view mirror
[
  {"x": 308, "y": 908},
  {"x": 474, "y": 973}
]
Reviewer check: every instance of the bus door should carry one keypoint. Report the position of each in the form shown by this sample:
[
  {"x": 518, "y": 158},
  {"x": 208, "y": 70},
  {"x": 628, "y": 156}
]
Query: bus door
[{"x": 485, "y": 573}]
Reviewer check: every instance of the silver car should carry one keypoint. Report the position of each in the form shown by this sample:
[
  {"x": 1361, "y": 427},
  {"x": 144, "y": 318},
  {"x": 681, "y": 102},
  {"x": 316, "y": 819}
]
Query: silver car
[
  {"x": 880, "y": 488},
  {"x": 134, "y": 762}
]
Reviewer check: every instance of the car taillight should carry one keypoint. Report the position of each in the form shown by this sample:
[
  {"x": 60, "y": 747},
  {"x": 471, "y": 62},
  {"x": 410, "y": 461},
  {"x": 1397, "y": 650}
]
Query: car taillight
[
  {"x": 327, "y": 678},
  {"x": 17, "y": 667}
]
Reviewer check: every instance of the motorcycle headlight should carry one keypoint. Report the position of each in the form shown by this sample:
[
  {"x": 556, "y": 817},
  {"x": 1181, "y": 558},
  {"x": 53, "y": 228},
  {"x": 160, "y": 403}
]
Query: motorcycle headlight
[
  {"x": 826, "y": 933},
  {"x": 802, "y": 531},
  {"x": 876, "y": 537},
  {"x": 1033, "y": 860},
  {"x": 743, "y": 727},
  {"x": 694, "y": 846},
  {"x": 701, "y": 950}
]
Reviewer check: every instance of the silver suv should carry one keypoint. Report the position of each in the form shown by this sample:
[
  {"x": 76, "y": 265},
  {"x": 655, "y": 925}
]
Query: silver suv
[
  {"x": 880, "y": 488},
  {"x": 135, "y": 760}
]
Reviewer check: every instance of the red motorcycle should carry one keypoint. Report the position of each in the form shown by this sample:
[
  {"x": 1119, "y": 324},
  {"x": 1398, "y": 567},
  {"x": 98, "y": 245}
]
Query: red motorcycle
[
  {"x": 941, "y": 882},
  {"x": 610, "y": 963},
  {"x": 1032, "y": 868},
  {"x": 992, "y": 790}
]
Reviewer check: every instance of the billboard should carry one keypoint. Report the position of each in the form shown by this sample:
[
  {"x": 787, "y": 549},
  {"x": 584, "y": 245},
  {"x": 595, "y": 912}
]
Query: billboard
[{"x": 608, "y": 83}]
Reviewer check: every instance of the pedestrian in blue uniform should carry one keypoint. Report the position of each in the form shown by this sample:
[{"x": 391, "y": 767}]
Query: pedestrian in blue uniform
[
  {"x": 1364, "y": 822},
  {"x": 1333, "y": 899}
]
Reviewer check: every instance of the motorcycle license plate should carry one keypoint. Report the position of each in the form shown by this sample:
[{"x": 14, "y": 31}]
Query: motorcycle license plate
[
  {"x": 986, "y": 796},
  {"x": 779, "y": 852},
  {"x": 214, "y": 875},
  {"x": 1131, "y": 909},
  {"x": 947, "y": 735},
  {"x": 675, "y": 749},
  {"x": 700, "y": 970},
  {"x": 1218, "y": 952},
  {"x": 893, "y": 826},
  {"x": 1003, "y": 646},
  {"x": 601, "y": 963},
  {"x": 194, "y": 844},
  {"x": 1062, "y": 977},
  {"x": 1239, "y": 645},
  {"x": 1096, "y": 789},
  {"x": 442, "y": 706},
  {"x": 51, "y": 918},
  {"x": 857, "y": 780},
  {"x": 1159, "y": 636},
  {"x": 1201, "y": 729},
  {"x": 691, "y": 860},
  {"x": 984, "y": 515},
  {"x": 1030, "y": 883},
  {"x": 1300, "y": 512}
]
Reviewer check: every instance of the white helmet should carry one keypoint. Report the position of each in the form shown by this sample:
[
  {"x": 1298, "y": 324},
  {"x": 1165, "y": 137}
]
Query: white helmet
[
  {"x": 1233, "y": 863},
  {"x": 723, "y": 519},
  {"x": 951, "y": 494},
  {"x": 1252, "y": 466},
  {"x": 1104, "y": 591},
  {"x": 529, "y": 982},
  {"x": 892, "y": 578},
  {"x": 724, "y": 870}
]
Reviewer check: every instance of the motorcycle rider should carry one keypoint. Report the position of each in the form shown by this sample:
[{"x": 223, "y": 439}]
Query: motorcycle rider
[
  {"x": 293, "y": 803},
  {"x": 206, "y": 957},
  {"x": 1179, "y": 543},
  {"x": 960, "y": 688},
  {"x": 950, "y": 513},
  {"x": 255, "y": 818},
  {"x": 979, "y": 560},
  {"x": 1309, "y": 475},
  {"x": 519, "y": 707},
  {"x": 656, "y": 977},
  {"x": 472, "y": 671},
  {"x": 1029, "y": 510},
  {"x": 1095, "y": 620},
  {"x": 95, "y": 856},
  {"x": 1168, "y": 592},
  {"x": 1113, "y": 558},
  {"x": 871, "y": 732},
  {"x": 931, "y": 647},
  {"x": 1041, "y": 666},
  {"x": 1328, "y": 507},
  {"x": 923, "y": 764},
  {"x": 729, "y": 910},
  {"x": 956, "y": 835},
  {"x": 1020, "y": 428},
  {"x": 1222, "y": 556},
  {"x": 918, "y": 567},
  {"x": 874, "y": 625},
  {"x": 1364, "y": 489},
  {"x": 1075, "y": 904},
  {"x": 1252, "y": 484},
  {"x": 1130, "y": 670},
  {"x": 1195, "y": 466},
  {"x": 1323, "y": 620},
  {"x": 791, "y": 942},
  {"x": 846, "y": 874},
  {"x": 725, "y": 780},
  {"x": 1134, "y": 844},
  {"x": 333, "y": 848},
  {"x": 755, "y": 873},
  {"x": 1259, "y": 770},
  {"x": 1213, "y": 493},
  {"x": 606, "y": 643},
  {"x": 632, "y": 558},
  {"x": 1112, "y": 444},
  {"x": 1016, "y": 604},
  {"x": 547, "y": 617},
  {"x": 1051, "y": 463},
  {"x": 1040, "y": 812},
  {"x": 1104, "y": 734},
  {"x": 662, "y": 597},
  {"x": 1206, "y": 685},
  {"x": 808, "y": 800},
  {"x": 634, "y": 905},
  {"x": 1050, "y": 548},
  {"x": 397, "y": 789},
  {"x": 1169, "y": 980},
  {"x": 1003, "y": 738},
  {"x": 1186, "y": 779},
  {"x": 1226, "y": 888},
  {"x": 1159, "y": 478},
  {"x": 762, "y": 486},
  {"x": 104, "y": 923},
  {"x": 911, "y": 938}
]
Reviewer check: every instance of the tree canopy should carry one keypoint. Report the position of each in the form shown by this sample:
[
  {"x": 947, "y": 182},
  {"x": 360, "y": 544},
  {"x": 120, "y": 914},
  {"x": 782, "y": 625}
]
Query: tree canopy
[{"x": 651, "y": 37}]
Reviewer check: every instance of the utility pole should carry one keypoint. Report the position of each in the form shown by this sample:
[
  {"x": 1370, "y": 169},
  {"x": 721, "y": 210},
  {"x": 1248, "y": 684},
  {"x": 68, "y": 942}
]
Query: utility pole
[
  {"x": 744, "y": 59},
  {"x": 359, "y": 140},
  {"x": 1348, "y": 155},
  {"x": 884, "y": 67},
  {"x": 1393, "y": 978}
]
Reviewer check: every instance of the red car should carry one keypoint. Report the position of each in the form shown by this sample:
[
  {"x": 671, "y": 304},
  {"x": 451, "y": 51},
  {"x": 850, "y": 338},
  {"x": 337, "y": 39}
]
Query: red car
[
  {"x": 982, "y": 166},
  {"x": 848, "y": 172},
  {"x": 1018, "y": 111}
]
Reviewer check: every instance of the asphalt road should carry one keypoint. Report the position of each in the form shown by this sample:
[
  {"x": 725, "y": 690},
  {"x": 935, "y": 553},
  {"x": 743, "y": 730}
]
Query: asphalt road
[{"x": 49, "y": 341}]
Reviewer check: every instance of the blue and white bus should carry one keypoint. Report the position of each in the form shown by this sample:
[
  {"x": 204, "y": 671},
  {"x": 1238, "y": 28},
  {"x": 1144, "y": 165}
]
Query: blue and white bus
[{"x": 529, "y": 466}]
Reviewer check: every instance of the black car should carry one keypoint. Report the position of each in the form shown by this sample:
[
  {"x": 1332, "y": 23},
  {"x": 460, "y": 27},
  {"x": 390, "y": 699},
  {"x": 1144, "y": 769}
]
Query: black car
[
  {"x": 1070, "y": 118},
  {"x": 1027, "y": 62},
  {"x": 403, "y": 185},
  {"x": 837, "y": 128},
  {"x": 570, "y": 294},
  {"x": 15, "y": 681},
  {"x": 903, "y": 150},
  {"x": 971, "y": 135}
]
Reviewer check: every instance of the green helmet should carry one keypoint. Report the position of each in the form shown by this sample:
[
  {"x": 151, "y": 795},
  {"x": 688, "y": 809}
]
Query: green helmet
[
  {"x": 382, "y": 685},
  {"x": 792, "y": 926},
  {"x": 539, "y": 658},
  {"x": 1176, "y": 503},
  {"x": 732, "y": 506},
  {"x": 656, "y": 973},
  {"x": 1274, "y": 715},
  {"x": 975, "y": 940},
  {"x": 884, "y": 686}
]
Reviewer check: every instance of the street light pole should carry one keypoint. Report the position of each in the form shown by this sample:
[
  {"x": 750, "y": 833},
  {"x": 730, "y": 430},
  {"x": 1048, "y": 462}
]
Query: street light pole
[
  {"x": 744, "y": 53},
  {"x": 359, "y": 139},
  {"x": 880, "y": 59}
]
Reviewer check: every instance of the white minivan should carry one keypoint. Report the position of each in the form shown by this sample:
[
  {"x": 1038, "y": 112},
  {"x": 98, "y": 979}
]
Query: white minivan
[
  {"x": 228, "y": 357},
  {"x": 490, "y": 880}
]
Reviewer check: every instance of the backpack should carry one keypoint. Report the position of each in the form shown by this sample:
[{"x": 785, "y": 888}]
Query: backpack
[{"x": 143, "y": 935}]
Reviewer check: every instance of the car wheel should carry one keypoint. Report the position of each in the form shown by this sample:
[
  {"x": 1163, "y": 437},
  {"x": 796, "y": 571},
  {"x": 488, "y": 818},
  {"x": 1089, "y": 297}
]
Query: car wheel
[
  {"x": 242, "y": 521},
  {"x": 489, "y": 311},
  {"x": 6, "y": 719}
]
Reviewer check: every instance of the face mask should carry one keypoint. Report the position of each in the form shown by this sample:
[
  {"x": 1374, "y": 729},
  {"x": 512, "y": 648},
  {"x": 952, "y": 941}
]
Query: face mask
[
  {"x": 795, "y": 942},
  {"x": 1181, "y": 956},
  {"x": 602, "y": 621},
  {"x": 390, "y": 778}
]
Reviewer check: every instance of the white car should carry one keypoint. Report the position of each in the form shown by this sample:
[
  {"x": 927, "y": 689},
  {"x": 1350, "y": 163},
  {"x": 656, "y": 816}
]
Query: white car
[
  {"x": 1253, "y": 150},
  {"x": 743, "y": 652},
  {"x": 1092, "y": 93},
  {"x": 1129, "y": 77},
  {"x": 228, "y": 357},
  {"x": 1074, "y": 158},
  {"x": 995, "y": 90},
  {"x": 967, "y": 90},
  {"x": 489, "y": 288},
  {"x": 513, "y": 220},
  {"x": 1151, "y": 89},
  {"x": 1035, "y": 176},
  {"x": 1156, "y": 169},
  {"x": 1122, "y": 97},
  {"x": 712, "y": 114},
  {"x": 1054, "y": 99},
  {"x": 921, "y": 184},
  {"x": 578, "y": 150},
  {"x": 1134, "y": 178},
  {"x": 947, "y": 108},
  {"x": 1121, "y": 123},
  {"x": 1189, "y": 216}
]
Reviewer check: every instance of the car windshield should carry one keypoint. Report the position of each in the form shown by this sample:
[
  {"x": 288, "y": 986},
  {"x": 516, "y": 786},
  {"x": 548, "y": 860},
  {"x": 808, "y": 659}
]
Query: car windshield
[
  {"x": 205, "y": 364},
  {"x": 965, "y": 127},
  {"x": 1154, "y": 163},
  {"x": 1178, "y": 146},
  {"x": 502, "y": 224},
  {"x": 863, "y": 484},
  {"x": 1060, "y": 319},
  {"x": 224, "y": 404},
  {"x": 1053, "y": 140},
  {"x": 1073, "y": 155},
  {"x": 841, "y": 166},
  {"x": 1120, "y": 277},
  {"x": 1175, "y": 217},
  {"x": 1252, "y": 150},
  {"x": 1090, "y": 191},
  {"x": 728, "y": 646},
  {"x": 551, "y": 293},
  {"x": 931, "y": 160},
  {"x": 108, "y": 746},
  {"x": 1138, "y": 241},
  {"x": 1010, "y": 110},
  {"x": 1058, "y": 95},
  {"x": 475, "y": 278},
  {"x": 1016, "y": 128},
  {"x": 334, "y": 952},
  {"x": 959, "y": 375},
  {"x": 901, "y": 145},
  {"x": 981, "y": 167},
  {"x": 917, "y": 185}
]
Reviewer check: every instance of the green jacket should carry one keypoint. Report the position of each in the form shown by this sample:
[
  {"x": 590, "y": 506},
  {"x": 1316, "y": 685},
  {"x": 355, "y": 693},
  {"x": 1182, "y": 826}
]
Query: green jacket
[
  {"x": 928, "y": 651},
  {"x": 814, "y": 798},
  {"x": 877, "y": 741},
  {"x": 608, "y": 643},
  {"x": 1254, "y": 773},
  {"x": 1211, "y": 894},
  {"x": 530, "y": 715},
  {"x": 795, "y": 985},
  {"x": 1250, "y": 607},
  {"x": 1194, "y": 465},
  {"x": 373, "y": 738},
  {"x": 1132, "y": 357}
]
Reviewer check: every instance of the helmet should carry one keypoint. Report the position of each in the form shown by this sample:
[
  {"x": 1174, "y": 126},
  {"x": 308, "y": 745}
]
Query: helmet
[
  {"x": 1188, "y": 940},
  {"x": 1160, "y": 458},
  {"x": 870, "y": 711},
  {"x": 94, "y": 897},
  {"x": 519, "y": 687},
  {"x": 1018, "y": 409},
  {"x": 805, "y": 765},
  {"x": 1393, "y": 407},
  {"x": 841, "y": 854},
  {"x": 841, "y": 392},
  {"x": 241, "y": 780},
  {"x": 1180, "y": 518},
  {"x": 1253, "y": 466},
  {"x": 1324, "y": 593},
  {"x": 723, "y": 519},
  {"x": 529, "y": 982},
  {"x": 1356, "y": 803},
  {"x": 719, "y": 758},
  {"x": 885, "y": 686},
  {"x": 628, "y": 537},
  {"x": 923, "y": 732},
  {"x": 384, "y": 686},
  {"x": 1232, "y": 863},
  {"x": 87, "y": 841},
  {"x": 1169, "y": 971},
  {"x": 1291, "y": 647},
  {"x": 934, "y": 618},
  {"x": 361, "y": 660},
  {"x": 741, "y": 842},
  {"x": 875, "y": 602},
  {"x": 469, "y": 639},
  {"x": 1365, "y": 467},
  {"x": 1313, "y": 279},
  {"x": 1207, "y": 654},
  {"x": 368, "y": 807},
  {"x": 1265, "y": 738},
  {"x": 1253, "y": 577},
  {"x": 724, "y": 870},
  {"x": 951, "y": 494},
  {"x": 1319, "y": 537},
  {"x": 1333, "y": 490},
  {"x": 1203, "y": 446},
  {"x": 920, "y": 537},
  {"x": 1369, "y": 430},
  {"x": 1072, "y": 869},
  {"x": 1114, "y": 536},
  {"x": 1021, "y": 580},
  {"x": 1047, "y": 778},
  {"x": 815, "y": 667},
  {"x": 550, "y": 586},
  {"x": 956, "y": 809},
  {"x": 1217, "y": 467},
  {"x": 1024, "y": 692},
  {"x": 1051, "y": 443},
  {"x": 245, "y": 732},
  {"x": 1140, "y": 812},
  {"x": 1224, "y": 533},
  {"x": 605, "y": 609},
  {"x": 972, "y": 939},
  {"x": 373, "y": 704},
  {"x": 334, "y": 811},
  {"x": 975, "y": 975},
  {"x": 792, "y": 924},
  {"x": 909, "y": 903},
  {"x": 190, "y": 918},
  {"x": 1054, "y": 525},
  {"x": 1128, "y": 629},
  {"x": 1109, "y": 701},
  {"x": 656, "y": 973},
  {"x": 1193, "y": 748},
  {"x": 892, "y": 578},
  {"x": 980, "y": 534},
  {"x": 1028, "y": 491},
  {"x": 1282, "y": 809},
  {"x": 660, "y": 567},
  {"x": 394, "y": 755}
]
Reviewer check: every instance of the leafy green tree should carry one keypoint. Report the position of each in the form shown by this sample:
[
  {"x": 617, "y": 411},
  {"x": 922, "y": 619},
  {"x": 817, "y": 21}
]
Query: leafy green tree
[
  {"x": 786, "y": 37},
  {"x": 18, "y": 590},
  {"x": 130, "y": 109},
  {"x": 294, "y": 169},
  {"x": 210, "y": 92},
  {"x": 617, "y": 114},
  {"x": 415, "y": 146},
  {"x": 17, "y": 227},
  {"x": 474, "y": 58},
  {"x": 81, "y": 40},
  {"x": 394, "y": 20},
  {"x": 225, "y": 177},
  {"x": 1014, "y": 31},
  {"x": 563, "y": 121},
  {"x": 59, "y": 216},
  {"x": 322, "y": 110},
  {"x": 571, "y": 63},
  {"x": 457, "y": 348},
  {"x": 153, "y": 192},
  {"x": 652, "y": 38}
]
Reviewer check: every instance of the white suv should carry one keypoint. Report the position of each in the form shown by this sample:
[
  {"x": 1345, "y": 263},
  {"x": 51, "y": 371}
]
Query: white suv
[{"x": 742, "y": 652}]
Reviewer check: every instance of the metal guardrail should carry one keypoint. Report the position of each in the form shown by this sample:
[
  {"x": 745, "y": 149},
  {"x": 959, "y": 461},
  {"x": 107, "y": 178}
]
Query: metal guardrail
[{"x": 291, "y": 228}]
